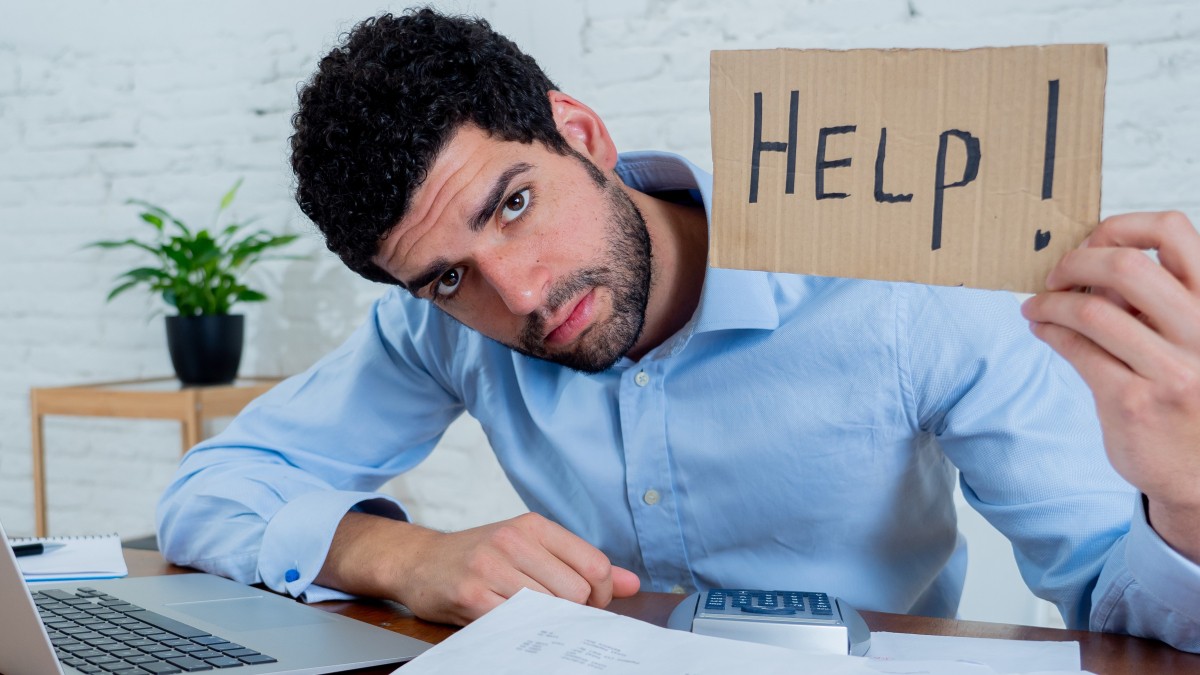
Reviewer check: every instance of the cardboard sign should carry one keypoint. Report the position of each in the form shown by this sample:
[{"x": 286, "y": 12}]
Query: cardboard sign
[{"x": 978, "y": 168}]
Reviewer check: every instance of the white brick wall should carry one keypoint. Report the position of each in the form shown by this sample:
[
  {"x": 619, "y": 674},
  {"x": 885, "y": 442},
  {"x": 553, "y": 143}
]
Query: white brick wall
[{"x": 172, "y": 101}]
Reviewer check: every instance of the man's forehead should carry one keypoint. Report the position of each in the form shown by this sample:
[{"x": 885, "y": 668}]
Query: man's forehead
[
  {"x": 463, "y": 160},
  {"x": 457, "y": 179}
]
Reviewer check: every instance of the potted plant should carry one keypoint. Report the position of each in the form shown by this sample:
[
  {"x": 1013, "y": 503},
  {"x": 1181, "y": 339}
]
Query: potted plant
[{"x": 199, "y": 273}]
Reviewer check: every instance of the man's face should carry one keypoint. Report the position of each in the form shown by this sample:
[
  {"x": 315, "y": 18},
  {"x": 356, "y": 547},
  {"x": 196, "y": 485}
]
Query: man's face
[{"x": 527, "y": 247}]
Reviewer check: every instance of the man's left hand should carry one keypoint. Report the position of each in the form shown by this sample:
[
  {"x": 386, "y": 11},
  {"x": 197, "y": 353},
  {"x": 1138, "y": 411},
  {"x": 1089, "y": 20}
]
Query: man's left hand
[{"x": 1131, "y": 328}]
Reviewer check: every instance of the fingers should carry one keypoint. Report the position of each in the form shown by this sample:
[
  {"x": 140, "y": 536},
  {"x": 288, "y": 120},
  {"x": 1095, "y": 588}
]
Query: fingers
[
  {"x": 625, "y": 583},
  {"x": 1132, "y": 281},
  {"x": 1099, "y": 325},
  {"x": 464, "y": 574},
  {"x": 581, "y": 562},
  {"x": 532, "y": 552},
  {"x": 1170, "y": 233},
  {"x": 1096, "y": 366}
]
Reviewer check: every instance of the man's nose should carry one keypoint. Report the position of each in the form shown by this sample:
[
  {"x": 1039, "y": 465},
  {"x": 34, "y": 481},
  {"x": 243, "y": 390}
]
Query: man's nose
[{"x": 521, "y": 282}]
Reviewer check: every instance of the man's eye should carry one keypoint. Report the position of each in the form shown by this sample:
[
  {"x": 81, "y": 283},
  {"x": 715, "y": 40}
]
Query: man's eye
[
  {"x": 515, "y": 206},
  {"x": 448, "y": 283}
]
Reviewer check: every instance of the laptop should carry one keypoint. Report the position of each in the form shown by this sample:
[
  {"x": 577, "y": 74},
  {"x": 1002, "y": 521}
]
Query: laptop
[{"x": 177, "y": 623}]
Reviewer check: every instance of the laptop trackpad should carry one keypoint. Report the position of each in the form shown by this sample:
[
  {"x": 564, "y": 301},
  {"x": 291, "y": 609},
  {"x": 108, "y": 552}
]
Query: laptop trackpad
[{"x": 249, "y": 613}]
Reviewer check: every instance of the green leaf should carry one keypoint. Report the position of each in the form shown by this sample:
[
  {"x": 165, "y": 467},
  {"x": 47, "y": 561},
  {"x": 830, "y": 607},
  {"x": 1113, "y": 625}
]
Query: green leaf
[
  {"x": 253, "y": 245},
  {"x": 248, "y": 295},
  {"x": 154, "y": 220},
  {"x": 146, "y": 274},
  {"x": 227, "y": 234},
  {"x": 121, "y": 289},
  {"x": 228, "y": 198},
  {"x": 109, "y": 244},
  {"x": 153, "y": 208},
  {"x": 127, "y": 242},
  {"x": 176, "y": 252},
  {"x": 161, "y": 213}
]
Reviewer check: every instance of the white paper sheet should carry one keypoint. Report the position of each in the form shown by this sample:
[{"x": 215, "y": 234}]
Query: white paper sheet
[
  {"x": 536, "y": 633},
  {"x": 1003, "y": 656}
]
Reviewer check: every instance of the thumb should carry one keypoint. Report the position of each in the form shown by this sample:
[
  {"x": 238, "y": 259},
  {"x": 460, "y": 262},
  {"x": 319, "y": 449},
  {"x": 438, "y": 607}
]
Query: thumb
[{"x": 625, "y": 583}]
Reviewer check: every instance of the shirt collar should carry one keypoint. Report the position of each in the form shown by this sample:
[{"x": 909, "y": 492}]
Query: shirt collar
[{"x": 730, "y": 299}]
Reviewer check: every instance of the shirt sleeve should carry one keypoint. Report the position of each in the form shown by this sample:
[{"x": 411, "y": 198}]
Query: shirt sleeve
[
  {"x": 1020, "y": 425},
  {"x": 1149, "y": 589},
  {"x": 260, "y": 502}
]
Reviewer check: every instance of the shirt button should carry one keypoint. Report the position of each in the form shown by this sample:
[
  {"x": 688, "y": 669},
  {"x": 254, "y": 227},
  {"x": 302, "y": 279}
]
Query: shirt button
[
  {"x": 641, "y": 379},
  {"x": 651, "y": 497},
  {"x": 678, "y": 590},
  {"x": 291, "y": 575}
]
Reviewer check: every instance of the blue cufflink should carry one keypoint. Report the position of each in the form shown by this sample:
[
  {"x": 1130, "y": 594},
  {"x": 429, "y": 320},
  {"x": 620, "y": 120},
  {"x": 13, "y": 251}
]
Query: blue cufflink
[{"x": 291, "y": 575}]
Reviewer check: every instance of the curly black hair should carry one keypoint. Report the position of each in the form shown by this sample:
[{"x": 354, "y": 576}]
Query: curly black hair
[{"x": 382, "y": 105}]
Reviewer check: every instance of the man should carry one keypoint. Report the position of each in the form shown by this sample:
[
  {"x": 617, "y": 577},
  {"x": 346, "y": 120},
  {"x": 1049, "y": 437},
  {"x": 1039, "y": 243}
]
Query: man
[{"x": 670, "y": 426}]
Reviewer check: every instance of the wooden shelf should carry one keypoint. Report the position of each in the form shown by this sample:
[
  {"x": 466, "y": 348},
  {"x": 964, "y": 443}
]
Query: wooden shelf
[{"x": 155, "y": 398}]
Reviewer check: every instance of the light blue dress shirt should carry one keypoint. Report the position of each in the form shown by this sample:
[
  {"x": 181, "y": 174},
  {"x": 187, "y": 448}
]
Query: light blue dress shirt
[{"x": 798, "y": 432}]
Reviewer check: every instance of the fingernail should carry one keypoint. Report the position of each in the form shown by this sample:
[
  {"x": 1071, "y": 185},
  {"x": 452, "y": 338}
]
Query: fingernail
[{"x": 1084, "y": 243}]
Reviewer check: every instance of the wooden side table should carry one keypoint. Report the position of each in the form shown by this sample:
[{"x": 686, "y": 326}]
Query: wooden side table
[{"x": 158, "y": 398}]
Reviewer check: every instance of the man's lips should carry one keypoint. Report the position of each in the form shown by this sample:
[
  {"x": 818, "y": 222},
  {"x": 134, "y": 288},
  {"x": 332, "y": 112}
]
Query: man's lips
[{"x": 577, "y": 320}]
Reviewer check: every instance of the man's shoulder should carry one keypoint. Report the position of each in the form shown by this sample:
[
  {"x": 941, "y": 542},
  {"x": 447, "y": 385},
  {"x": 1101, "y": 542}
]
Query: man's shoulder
[{"x": 854, "y": 303}]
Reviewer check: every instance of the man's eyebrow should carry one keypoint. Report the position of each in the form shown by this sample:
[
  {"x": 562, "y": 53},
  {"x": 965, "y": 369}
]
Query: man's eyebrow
[
  {"x": 439, "y": 266},
  {"x": 492, "y": 201},
  {"x": 432, "y": 271}
]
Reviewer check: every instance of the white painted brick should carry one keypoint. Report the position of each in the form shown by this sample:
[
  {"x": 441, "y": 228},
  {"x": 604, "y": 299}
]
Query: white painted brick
[
  {"x": 616, "y": 9},
  {"x": 175, "y": 132},
  {"x": 625, "y": 66},
  {"x": 10, "y": 130},
  {"x": 37, "y": 74},
  {"x": 58, "y": 163},
  {"x": 91, "y": 132},
  {"x": 1133, "y": 23},
  {"x": 977, "y": 9},
  {"x": 212, "y": 67},
  {"x": 9, "y": 73}
]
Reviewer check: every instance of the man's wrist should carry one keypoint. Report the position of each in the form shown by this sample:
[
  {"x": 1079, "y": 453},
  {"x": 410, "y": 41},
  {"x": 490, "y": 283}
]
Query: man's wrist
[
  {"x": 368, "y": 555},
  {"x": 1178, "y": 526}
]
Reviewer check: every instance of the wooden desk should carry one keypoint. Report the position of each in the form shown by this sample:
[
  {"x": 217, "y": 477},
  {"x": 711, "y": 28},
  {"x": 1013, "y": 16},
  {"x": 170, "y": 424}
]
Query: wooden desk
[
  {"x": 1101, "y": 652},
  {"x": 158, "y": 398}
]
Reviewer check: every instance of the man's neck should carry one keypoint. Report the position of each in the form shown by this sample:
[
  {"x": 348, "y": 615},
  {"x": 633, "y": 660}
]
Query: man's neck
[{"x": 679, "y": 242}]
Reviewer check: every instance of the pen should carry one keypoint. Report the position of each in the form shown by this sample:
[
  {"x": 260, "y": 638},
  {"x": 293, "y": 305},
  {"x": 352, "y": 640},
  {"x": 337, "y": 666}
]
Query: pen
[{"x": 35, "y": 549}]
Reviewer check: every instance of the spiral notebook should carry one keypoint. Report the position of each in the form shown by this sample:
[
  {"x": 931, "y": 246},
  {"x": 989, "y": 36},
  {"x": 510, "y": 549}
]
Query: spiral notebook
[{"x": 82, "y": 557}]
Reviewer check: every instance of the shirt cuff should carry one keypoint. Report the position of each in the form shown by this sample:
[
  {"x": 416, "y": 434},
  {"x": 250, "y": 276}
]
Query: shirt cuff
[
  {"x": 1161, "y": 570},
  {"x": 297, "y": 539}
]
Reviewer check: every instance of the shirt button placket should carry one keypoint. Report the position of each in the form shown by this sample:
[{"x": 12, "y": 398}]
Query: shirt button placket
[{"x": 648, "y": 476}]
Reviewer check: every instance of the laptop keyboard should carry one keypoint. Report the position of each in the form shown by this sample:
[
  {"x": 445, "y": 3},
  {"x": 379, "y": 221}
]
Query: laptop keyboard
[{"x": 94, "y": 632}]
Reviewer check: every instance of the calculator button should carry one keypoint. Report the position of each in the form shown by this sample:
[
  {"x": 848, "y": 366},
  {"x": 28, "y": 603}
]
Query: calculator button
[
  {"x": 715, "y": 601},
  {"x": 771, "y": 611}
]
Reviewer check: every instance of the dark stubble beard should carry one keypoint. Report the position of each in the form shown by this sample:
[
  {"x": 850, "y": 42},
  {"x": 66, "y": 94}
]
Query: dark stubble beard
[{"x": 625, "y": 271}]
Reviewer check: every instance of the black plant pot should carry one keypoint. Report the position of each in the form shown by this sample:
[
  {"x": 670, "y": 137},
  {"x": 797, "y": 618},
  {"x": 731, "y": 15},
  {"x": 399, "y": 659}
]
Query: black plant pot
[{"x": 205, "y": 349}]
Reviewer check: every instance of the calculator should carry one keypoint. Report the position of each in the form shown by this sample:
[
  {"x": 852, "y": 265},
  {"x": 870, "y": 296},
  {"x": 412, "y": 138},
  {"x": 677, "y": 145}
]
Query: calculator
[{"x": 803, "y": 620}]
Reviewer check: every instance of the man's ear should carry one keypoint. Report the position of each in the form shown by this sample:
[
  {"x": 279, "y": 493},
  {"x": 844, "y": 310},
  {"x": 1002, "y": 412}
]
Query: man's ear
[{"x": 583, "y": 130}]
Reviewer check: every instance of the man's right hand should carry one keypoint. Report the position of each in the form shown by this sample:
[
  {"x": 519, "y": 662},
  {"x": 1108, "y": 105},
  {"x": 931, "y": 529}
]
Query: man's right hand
[{"x": 456, "y": 577}]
